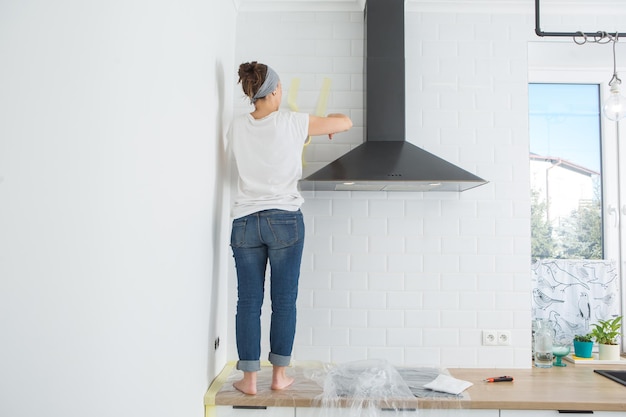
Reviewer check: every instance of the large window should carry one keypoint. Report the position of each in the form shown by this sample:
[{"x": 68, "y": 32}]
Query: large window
[
  {"x": 578, "y": 190},
  {"x": 566, "y": 171}
]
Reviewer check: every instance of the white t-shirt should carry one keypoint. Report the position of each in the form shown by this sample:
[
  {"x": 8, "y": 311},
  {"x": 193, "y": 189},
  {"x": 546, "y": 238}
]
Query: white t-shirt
[{"x": 268, "y": 154}]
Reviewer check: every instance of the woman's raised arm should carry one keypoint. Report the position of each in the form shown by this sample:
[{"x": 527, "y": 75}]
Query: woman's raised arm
[{"x": 329, "y": 125}]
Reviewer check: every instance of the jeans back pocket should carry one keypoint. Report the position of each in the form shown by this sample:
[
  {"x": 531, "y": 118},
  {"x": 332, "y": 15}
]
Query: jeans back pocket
[{"x": 238, "y": 233}]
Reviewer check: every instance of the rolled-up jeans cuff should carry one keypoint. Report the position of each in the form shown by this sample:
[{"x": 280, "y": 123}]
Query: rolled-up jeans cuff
[
  {"x": 249, "y": 366},
  {"x": 279, "y": 360}
]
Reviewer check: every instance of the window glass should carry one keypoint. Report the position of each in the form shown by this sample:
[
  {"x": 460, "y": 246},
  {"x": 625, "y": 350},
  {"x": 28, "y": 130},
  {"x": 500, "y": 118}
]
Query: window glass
[{"x": 565, "y": 169}]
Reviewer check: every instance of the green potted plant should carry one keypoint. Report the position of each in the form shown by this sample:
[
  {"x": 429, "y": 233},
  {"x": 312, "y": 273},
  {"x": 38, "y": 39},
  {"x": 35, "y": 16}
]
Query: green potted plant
[
  {"x": 606, "y": 333},
  {"x": 583, "y": 345}
]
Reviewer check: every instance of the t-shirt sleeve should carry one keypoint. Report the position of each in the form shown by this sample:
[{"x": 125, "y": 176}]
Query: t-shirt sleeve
[{"x": 301, "y": 124}]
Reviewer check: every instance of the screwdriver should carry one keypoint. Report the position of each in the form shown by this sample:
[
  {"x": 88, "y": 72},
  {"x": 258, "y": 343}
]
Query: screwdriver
[{"x": 499, "y": 379}]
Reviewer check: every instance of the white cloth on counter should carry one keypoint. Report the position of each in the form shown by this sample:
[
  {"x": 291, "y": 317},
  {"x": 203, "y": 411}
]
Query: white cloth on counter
[{"x": 446, "y": 383}]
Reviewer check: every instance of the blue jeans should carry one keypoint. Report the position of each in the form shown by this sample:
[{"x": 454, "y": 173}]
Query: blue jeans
[{"x": 277, "y": 237}]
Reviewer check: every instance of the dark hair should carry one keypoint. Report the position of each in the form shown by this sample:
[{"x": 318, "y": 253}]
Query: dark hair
[{"x": 251, "y": 76}]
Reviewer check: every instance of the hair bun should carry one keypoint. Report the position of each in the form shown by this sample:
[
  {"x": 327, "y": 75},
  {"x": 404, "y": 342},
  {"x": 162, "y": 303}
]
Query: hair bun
[
  {"x": 251, "y": 76},
  {"x": 248, "y": 68}
]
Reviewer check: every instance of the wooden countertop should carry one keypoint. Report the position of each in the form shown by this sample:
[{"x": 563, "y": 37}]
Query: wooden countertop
[{"x": 575, "y": 387}]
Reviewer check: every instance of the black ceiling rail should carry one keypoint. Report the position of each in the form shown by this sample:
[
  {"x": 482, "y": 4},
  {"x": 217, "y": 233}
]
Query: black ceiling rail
[{"x": 539, "y": 32}]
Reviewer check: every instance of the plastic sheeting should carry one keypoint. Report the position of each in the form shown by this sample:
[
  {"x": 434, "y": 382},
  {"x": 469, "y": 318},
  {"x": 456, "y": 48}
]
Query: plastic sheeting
[
  {"x": 363, "y": 389},
  {"x": 372, "y": 387},
  {"x": 369, "y": 388}
]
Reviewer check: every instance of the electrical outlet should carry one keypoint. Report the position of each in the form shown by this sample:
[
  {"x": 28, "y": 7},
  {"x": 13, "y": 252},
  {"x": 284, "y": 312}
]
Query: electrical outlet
[
  {"x": 490, "y": 337},
  {"x": 504, "y": 337}
]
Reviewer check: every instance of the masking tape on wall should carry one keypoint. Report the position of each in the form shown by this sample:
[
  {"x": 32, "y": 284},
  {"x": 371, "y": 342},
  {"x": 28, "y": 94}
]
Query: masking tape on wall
[
  {"x": 293, "y": 94},
  {"x": 216, "y": 386},
  {"x": 322, "y": 102}
]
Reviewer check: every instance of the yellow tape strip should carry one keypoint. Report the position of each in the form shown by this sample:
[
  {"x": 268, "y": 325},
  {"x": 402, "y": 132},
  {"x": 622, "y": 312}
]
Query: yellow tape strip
[
  {"x": 321, "y": 104},
  {"x": 217, "y": 384},
  {"x": 293, "y": 94},
  {"x": 323, "y": 100}
]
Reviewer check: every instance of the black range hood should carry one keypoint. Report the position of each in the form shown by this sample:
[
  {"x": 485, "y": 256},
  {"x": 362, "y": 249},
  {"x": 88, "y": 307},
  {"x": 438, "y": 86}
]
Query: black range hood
[{"x": 385, "y": 161}]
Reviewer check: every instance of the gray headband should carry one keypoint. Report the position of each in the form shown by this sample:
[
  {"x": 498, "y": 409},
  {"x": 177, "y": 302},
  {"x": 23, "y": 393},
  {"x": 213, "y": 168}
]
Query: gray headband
[{"x": 269, "y": 85}]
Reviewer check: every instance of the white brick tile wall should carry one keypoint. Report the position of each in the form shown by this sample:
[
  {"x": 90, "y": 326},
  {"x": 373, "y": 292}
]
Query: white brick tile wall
[
  {"x": 369, "y": 226},
  {"x": 385, "y": 318},
  {"x": 383, "y": 244},
  {"x": 405, "y": 226},
  {"x": 458, "y": 356},
  {"x": 341, "y": 354},
  {"x": 408, "y": 262},
  {"x": 404, "y": 300},
  {"x": 496, "y": 282},
  {"x": 478, "y": 301},
  {"x": 422, "y": 356},
  {"x": 459, "y": 282},
  {"x": 404, "y": 337},
  {"x": 331, "y": 298},
  {"x": 390, "y": 354},
  {"x": 422, "y": 282},
  {"x": 386, "y": 281},
  {"x": 441, "y": 300},
  {"x": 492, "y": 319},
  {"x": 368, "y": 263},
  {"x": 418, "y": 319},
  {"x": 331, "y": 263},
  {"x": 440, "y": 337},
  {"x": 339, "y": 336},
  {"x": 350, "y": 281},
  {"x": 348, "y": 318},
  {"x": 328, "y": 226},
  {"x": 352, "y": 244},
  {"x": 386, "y": 208},
  {"x": 424, "y": 245},
  {"x": 314, "y": 318},
  {"x": 368, "y": 337},
  {"x": 462, "y": 319},
  {"x": 367, "y": 300},
  {"x": 413, "y": 277}
]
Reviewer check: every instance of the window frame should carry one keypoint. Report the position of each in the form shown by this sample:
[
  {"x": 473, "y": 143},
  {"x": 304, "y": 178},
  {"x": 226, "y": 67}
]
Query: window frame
[{"x": 612, "y": 153}]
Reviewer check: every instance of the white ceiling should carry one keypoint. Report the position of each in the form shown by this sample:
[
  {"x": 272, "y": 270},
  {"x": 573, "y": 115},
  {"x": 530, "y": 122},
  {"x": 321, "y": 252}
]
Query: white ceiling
[{"x": 494, "y": 6}]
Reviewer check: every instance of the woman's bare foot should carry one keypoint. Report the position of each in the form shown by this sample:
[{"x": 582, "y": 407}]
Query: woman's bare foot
[
  {"x": 247, "y": 384},
  {"x": 280, "y": 380}
]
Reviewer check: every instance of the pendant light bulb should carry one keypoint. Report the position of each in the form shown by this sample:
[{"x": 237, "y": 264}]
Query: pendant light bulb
[{"x": 614, "y": 107}]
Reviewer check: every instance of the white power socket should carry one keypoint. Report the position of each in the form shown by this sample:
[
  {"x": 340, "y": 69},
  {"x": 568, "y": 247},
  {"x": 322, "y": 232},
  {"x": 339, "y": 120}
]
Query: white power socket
[
  {"x": 496, "y": 337},
  {"x": 504, "y": 337},
  {"x": 490, "y": 337}
]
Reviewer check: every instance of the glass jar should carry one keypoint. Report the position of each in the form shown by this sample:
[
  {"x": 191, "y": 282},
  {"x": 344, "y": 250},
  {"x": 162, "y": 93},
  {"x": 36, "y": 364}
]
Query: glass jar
[{"x": 544, "y": 338}]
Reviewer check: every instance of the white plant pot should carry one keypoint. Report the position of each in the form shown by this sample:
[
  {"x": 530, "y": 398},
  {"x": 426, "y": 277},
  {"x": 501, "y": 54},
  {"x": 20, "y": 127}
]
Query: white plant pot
[{"x": 609, "y": 352}]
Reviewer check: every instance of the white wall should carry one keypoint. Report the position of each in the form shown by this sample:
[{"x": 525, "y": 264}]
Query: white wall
[
  {"x": 111, "y": 204},
  {"x": 414, "y": 277}
]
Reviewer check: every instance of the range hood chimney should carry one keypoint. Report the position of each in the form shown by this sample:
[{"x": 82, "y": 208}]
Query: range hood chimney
[{"x": 385, "y": 161}]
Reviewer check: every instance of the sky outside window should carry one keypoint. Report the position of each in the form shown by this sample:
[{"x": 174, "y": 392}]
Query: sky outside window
[
  {"x": 565, "y": 169},
  {"x": 565, "y": 122}
]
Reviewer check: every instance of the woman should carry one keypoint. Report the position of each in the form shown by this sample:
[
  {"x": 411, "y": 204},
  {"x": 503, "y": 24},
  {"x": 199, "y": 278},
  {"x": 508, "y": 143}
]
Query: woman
[{"x": 268, "y": 227}]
